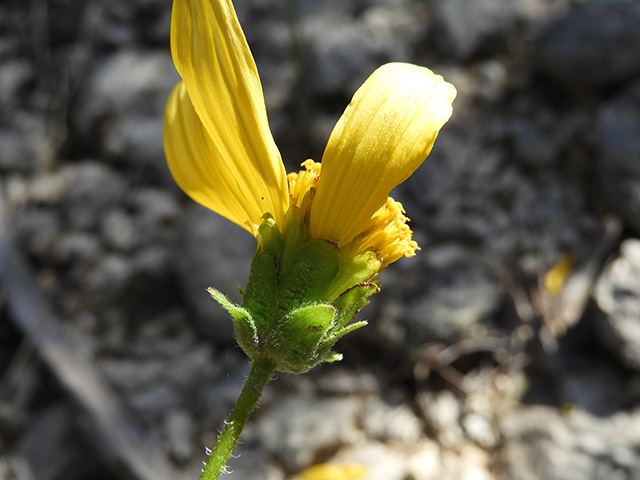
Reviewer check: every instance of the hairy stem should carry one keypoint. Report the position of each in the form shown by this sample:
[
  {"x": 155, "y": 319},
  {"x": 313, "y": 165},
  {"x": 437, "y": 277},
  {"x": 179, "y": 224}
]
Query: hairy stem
[{"x": 259, "y": 376}]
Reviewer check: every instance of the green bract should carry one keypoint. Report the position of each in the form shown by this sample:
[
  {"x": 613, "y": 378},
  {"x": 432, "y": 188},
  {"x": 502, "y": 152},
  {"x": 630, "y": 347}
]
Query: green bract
[{"x": 301, "y": 295}]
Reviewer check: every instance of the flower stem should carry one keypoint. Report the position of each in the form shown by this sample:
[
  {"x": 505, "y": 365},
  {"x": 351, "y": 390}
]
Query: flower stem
[{"x": 259, "y": 376}]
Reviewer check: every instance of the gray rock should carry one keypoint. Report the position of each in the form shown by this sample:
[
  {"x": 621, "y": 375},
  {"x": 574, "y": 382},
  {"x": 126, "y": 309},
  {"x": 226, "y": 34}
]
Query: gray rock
[
  {"x": 443, "y": 413},
  {"x": 179, "y": 432},
  {"x": 38, "y": 230},
  {"x": 80, "y": 247},
  {"x": 395, "y": 423},
  {"x": 94, "y": 188},
  {"x": 121, "y": 106},
  {"x": 132, "y": 375},
  {"x": 155, "y": 214},
  {"x": 137, "y": 138},
  {"x": 398, "y": 28},
  {"x": 249, "y": 463},
  {"x": 24, "y": 142},
  {"x": 133, "y": 22},
  {"x": 267, "y": 26},
  {"x": 341, "y": 381},
  {"x": 381, "y": 461},
  {"x": 49, "y": 187},
  {"x": 54, "y": 426},
  {"x": 543, "y": 443},
  {"x": 164, "y": 335},
  {"x": 468, "y": 23},
  {"x": 129, "y": 81},
  {"x": 451, "y": 305},
  {"x": 151, "y": 403},
  {"x": 479, "y": 429},
  {"x": 14, "y": 77},
  {"x": 424, "y": 462},
  {"x": 617, "y": 295},
  {"x": 190, "y": 367},
  {"x": 109, "y": 278},
  {"x": 337, "y": 8},
  {"x": 218, "y": 396},
  {"x": 343, "y": 55},
  {"x": 476, "y": 200},
  {"x": 15, "y": 468},
  {"x": 618, "y": 136},
  {"x": 118, "y": 230},
  {"x": 540, "y": 136},
  {"x": 212, "y": 252},
  {"x": 301, "y": 426},
  {"x": 152, "y": 267},
  {"x": 595, "y": 45},
  {"x": 598, "y": 385}
]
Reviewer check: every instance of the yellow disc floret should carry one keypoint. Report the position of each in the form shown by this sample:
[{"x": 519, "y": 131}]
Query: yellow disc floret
[
  {"x": 302, "y": 185},
  {"x": 387, "y": 234}
]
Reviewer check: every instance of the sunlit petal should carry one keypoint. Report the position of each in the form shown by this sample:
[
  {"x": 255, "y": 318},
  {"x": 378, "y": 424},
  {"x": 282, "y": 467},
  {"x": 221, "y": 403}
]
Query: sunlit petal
[
  {"x": 212, "y": 56},
  {"x": 203, "y": 171},
  {"x": 385, "y": 133}
]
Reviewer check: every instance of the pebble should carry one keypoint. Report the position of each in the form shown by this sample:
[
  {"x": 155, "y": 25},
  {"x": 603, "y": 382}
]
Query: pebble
[
  {"x": 299, "y": 426},
  {"x": 594, "y": 45},
  {"x": 452, "y": 305},
  {"x": 211, "y": 252},
  {"x": 617, "y": 294},
  {"x": 618, "y": 139},
  {"x": 95, "y": 188},
  {"x": 380, "y": 461},
  {"x": 385, "y": 422},
  {"x": 540, "y": 442},
  {"x": 179, "y": 432},
  {"x": 118, "y": 231},
  {"x": 24, "y": 141}
]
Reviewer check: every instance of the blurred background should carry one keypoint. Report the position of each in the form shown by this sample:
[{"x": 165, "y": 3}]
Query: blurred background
[{"x": 508, "y": 348}]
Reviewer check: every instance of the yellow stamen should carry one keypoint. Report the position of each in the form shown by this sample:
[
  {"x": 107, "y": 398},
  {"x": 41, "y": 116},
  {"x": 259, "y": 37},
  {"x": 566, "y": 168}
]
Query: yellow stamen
[
  {"x": 387, "y": 233},
  {"x": 301, "y": 183}
]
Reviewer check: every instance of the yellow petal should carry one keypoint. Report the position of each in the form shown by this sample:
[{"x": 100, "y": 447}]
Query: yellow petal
[
  {"x": 556, "y": 278},
  {"x": 212, "y": 56},
  {"x": 205, "y": 173},
  {"x": 333, "y": 471},
  {"x": 385, "y": 133}
]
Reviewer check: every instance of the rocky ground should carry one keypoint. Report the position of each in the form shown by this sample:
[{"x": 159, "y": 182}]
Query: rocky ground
[{"x": 509, "y": 348}]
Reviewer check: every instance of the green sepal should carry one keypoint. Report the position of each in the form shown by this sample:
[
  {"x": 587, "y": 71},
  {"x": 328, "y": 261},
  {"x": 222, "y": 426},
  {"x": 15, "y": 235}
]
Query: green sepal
[
  {"x": 269, "y": 236},
  {"x": 298, "y": 343},
  {"x": 308, "y": 276},
  {"x": 306, "y": 327},
  {"x": 350, "y": 303},
  {"x": 245, "y": 327},
  {"x": 353, "y": 271},
  {"x": 300, "y": 297},
  {"x": 293, "y": 237},
  {"x": 331, "y": 357},
  {"x": 350, "y": 328},
  {"x": 262, "y": 289}
]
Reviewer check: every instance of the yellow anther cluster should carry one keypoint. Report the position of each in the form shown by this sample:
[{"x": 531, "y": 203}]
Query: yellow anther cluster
[{"x": 387, "y": 234}]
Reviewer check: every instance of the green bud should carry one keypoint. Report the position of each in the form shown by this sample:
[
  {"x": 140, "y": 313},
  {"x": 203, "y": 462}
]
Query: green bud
[{"x": 300, "y": 297}]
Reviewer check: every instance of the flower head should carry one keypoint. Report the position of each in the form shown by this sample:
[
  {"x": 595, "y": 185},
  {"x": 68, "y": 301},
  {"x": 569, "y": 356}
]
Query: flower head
[{"x": 323, "y": 233}]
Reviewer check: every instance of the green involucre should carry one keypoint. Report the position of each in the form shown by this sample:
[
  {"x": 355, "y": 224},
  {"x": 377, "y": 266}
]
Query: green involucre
[{"x": 300, "y": 297}]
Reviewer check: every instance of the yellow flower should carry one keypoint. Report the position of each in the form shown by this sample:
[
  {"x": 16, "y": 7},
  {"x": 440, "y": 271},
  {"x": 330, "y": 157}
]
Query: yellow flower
[
  {"x": 221, "y": 152},
  {"x": 332, "y": 471}
]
